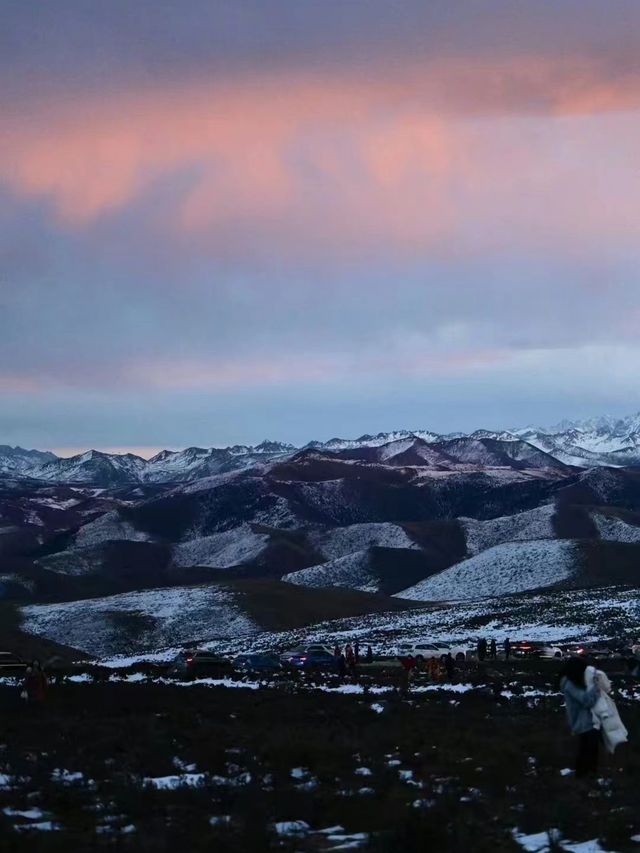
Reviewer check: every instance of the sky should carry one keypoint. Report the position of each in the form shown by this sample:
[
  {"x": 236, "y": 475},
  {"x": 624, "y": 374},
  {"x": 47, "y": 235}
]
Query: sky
[{"x": 227, "y": 221}]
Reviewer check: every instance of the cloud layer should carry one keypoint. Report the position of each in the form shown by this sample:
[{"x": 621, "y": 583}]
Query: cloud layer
[{"x": 202, "y": 205}]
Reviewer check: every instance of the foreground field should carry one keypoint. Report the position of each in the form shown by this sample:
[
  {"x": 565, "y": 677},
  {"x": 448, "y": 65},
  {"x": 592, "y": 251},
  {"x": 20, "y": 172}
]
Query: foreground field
[{"x": 141, "y": 765}]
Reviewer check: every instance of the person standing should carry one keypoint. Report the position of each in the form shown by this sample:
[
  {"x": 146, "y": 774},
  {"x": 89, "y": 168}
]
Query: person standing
[
  {"x": 351, "y": 659},
  {"x": 493, "y": 652},
  {"x": 35, "y": 684},
  {"x": 341, "y": 665},
  {"x": 482, "y": 649},
  {"x": 507, "y": 649},
  {"x": 369, "y": 657},
  {"x": 356, "y": 651},
  {"x": 449, "y": 666},
  {"x": 579, "y": 701}
]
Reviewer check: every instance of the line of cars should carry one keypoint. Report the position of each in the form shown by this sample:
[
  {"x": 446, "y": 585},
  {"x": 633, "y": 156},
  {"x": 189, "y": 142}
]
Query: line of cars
[
  {"x": 312, "y": 657},
  {"x": 318, "y": 657},
  {"x": 594, "y": 651}
]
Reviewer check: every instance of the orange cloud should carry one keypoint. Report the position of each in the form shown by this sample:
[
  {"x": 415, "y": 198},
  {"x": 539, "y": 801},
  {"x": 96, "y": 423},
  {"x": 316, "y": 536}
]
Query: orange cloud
[{"x": 420, "y": 157}]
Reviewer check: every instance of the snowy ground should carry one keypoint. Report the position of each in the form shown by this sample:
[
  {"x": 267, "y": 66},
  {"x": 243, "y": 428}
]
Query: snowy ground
[
  {"x": 450, "y": 766},
  {"x": 139, "y": 621},
  {"x": 505, "y": 569},
  {"x": 559, "y": 616}
]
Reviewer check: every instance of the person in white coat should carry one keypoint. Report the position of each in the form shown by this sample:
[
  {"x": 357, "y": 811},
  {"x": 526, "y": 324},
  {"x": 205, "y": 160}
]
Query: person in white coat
[
  {"x": 605, "y": 714},
  {"x": 591, "y": 713}
]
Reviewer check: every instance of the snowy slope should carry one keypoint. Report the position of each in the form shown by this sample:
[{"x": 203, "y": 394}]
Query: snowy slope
[
  {"x": 504, "y": 569},
  {"x": 533, "y": 524},
  {"x": 340, "y": 541},
  {"x": 352, "y": 571},
  {"x": 109, "y": 527},
  {"x": 221, "y": 550},
  {"x": 616, "y": 530},
  {"x": 136, "y": 621}
]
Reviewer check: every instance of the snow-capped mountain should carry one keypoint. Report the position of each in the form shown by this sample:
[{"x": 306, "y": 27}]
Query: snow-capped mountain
[
  {"x": 17, "y": 460},
  {"x": 113, "y": 469},
  {"x": 604, "y": 441},
  {"x": 597, "y": 441}
]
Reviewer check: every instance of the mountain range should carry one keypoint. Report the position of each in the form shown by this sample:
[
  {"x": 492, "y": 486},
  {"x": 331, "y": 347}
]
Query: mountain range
[
  {"x": 112, "y": 551},
  {"x": 604, "y": 441}
]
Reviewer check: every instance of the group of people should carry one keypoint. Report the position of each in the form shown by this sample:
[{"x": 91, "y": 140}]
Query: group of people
[
  {"x": 349, "y": 658},
  {"x": 435, "y": 669},
  {"x": 490, "y": 649}
]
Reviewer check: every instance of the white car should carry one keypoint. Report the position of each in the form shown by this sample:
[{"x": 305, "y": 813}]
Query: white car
[
  {"x": 535, "y": 649},
  {"x": 424, "y": 651}
]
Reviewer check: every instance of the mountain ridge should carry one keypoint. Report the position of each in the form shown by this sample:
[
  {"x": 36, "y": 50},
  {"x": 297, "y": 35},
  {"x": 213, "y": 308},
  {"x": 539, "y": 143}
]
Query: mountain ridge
[{"x": 596, "y": 442}]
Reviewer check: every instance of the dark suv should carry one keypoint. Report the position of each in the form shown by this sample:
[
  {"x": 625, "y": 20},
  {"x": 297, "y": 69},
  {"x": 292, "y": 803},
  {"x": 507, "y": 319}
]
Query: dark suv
[
  {"x": 309, "y": 657},
  {"x": 11, "y": 664},
  {"x": 197, "y": 662}
]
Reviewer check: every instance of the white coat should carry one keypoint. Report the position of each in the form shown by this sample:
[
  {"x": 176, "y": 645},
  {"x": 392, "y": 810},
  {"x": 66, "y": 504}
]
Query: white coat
[{"x": 605, "y": 714}]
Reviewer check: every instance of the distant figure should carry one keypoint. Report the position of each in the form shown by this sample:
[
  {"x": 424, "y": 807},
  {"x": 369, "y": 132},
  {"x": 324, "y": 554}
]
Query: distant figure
[
  {"x": 350, "y": 658},
  {"x": 408, "y": 662},
  {"x": 356, "y": 651},
  {"x": 449, "y": 666},
  {"x": 433, "y": 668},
  {"x": 408, "y": 665},
  {"x": 482, "y": 649},
  {"x": 493, "y": 652},
  {"x": 337, "y": 651},
  {"x": 341, "y": 665},
  {"x": 369, "y": 654},
  {"x": 507, "y": 649},
  {"x": 35, "y": 684}
]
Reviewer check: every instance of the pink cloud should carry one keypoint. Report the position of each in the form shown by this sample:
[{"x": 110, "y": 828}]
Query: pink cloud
[
  {"x": 219, "y": 375},
  {"x": 454, "y": 156},
  {"x": 19, "y": 384}
]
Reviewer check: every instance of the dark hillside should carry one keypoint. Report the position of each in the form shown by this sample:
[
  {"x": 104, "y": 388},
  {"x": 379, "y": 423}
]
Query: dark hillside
[{"x": 280, "y": 606}]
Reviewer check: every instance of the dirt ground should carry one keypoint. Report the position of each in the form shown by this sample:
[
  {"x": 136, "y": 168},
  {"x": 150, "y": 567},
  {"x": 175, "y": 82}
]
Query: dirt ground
[{"x": 455, "y": 766}]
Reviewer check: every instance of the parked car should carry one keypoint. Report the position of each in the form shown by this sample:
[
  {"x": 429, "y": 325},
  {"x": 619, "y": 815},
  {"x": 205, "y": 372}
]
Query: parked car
[
  {"x": 259, "y": 663},
  {"x": 309, "y": 657},
  {"x": 458, "y": 650},
  {"x": 597, "y": 651},
  {"x": 424, "y": 651},
  {"x": 192, "y": 663},
  {"x": 535, "y": 649},
  {"x": 11, "y": 664}
]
